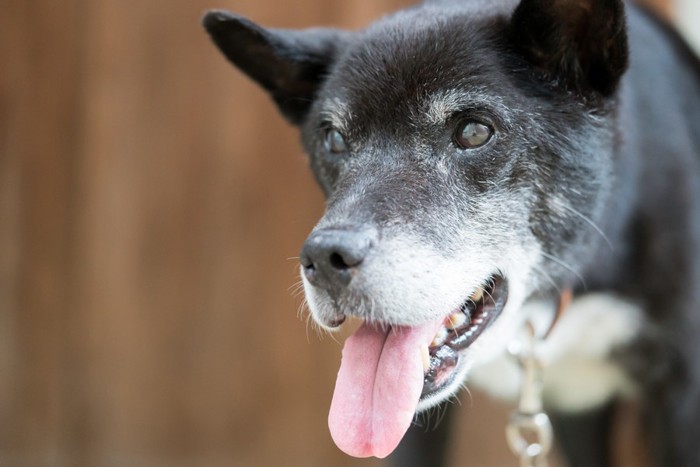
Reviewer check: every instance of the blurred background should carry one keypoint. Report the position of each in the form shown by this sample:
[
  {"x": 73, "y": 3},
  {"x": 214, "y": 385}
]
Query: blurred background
[{"x": 152, "y": 205}]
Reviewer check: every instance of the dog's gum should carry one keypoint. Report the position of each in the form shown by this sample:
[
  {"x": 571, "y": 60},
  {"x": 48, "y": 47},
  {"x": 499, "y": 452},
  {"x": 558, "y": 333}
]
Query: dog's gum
[{"x": 442, "y": 365}]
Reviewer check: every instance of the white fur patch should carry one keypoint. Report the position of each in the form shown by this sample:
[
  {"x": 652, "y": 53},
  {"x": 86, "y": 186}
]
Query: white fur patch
[
  {"x": 337, "y": 113},
  {"x": 578, "y": 372}
]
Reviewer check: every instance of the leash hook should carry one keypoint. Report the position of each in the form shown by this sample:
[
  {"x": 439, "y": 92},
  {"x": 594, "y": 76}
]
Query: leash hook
[{"x": 529, "y": 431}]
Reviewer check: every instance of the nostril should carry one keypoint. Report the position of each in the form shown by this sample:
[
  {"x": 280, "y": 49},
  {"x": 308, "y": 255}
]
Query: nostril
[
  {"x": 309, "y": 269},
  {"x": 338, "y": 262},
  {"x": 305, "y": 260},
  {"x": 310, "y": 274}
]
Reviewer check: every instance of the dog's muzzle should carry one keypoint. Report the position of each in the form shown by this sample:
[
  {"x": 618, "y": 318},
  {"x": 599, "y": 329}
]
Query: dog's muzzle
[{"x": 408, "y": 350}]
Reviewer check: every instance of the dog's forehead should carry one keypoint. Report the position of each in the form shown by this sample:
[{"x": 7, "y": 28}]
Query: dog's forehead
[{"x": 414, "y": 63}]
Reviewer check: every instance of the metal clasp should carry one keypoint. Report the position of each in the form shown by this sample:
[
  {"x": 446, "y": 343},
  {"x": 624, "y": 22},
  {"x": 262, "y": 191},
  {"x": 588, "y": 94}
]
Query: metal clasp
[{"x": 529, "y": 431}]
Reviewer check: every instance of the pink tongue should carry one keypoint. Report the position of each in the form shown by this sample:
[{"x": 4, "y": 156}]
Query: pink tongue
[{"x": 379, "y": 383}]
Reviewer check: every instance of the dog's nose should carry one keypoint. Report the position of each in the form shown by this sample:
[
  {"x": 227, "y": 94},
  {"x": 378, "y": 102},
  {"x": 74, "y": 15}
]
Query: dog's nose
[{"x": 331, "y": 256}]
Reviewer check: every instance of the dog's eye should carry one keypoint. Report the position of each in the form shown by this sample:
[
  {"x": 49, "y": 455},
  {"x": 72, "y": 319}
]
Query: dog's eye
[
  {"x": 472, "y": 134},
  {"x": 335, "y": 142}
]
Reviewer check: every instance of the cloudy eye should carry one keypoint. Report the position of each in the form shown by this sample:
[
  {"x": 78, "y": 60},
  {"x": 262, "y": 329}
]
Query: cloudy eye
[
  {"x": 335, "y": 142},
  {"x": 472, "y": 134}
]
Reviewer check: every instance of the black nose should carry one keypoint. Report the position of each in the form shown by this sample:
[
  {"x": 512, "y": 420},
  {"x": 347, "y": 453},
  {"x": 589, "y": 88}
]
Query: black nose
[{"x": 331, "y": 256}]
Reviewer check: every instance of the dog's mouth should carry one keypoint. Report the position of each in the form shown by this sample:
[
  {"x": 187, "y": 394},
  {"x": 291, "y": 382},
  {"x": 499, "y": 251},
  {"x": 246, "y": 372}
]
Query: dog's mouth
[
  {"x": 387, "y": 371},
  {"x": 459, "y": 331}
]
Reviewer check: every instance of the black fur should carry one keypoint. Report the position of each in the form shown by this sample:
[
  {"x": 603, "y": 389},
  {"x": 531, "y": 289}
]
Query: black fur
[
  {"x": 591, "y": 102},
  {"x": 290, "y": 65},
  {"x": 584, "y": 438},
  {"x": 582, "y": 42}
]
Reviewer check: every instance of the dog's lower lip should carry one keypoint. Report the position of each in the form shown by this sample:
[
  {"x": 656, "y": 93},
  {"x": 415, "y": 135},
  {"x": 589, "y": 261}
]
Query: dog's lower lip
[{"x": 444, "y": 358}]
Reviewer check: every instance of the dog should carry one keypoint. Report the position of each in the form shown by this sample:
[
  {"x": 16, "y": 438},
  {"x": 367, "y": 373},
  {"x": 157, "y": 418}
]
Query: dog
[{"x": 480, "y": 158}]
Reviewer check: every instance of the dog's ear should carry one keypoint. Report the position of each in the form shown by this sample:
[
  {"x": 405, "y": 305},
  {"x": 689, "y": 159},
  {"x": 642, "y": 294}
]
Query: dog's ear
[
  {"x": 579, "y": 43},
  {"x": 290, "y": 65}
]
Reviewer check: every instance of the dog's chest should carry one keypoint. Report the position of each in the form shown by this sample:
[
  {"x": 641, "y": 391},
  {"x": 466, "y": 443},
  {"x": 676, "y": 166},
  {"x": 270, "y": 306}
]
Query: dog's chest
[{"x": 579, "y": 373}]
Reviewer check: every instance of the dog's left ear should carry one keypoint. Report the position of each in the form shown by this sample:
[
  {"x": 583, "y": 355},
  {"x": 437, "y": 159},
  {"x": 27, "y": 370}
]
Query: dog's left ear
[
  {"x": 290, "y": 65},
  {"x": 581, "y": 44}
]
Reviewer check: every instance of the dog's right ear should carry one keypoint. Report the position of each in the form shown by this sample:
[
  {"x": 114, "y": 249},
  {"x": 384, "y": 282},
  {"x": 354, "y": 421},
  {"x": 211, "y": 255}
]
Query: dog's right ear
[{"x": 290, "y": 65}]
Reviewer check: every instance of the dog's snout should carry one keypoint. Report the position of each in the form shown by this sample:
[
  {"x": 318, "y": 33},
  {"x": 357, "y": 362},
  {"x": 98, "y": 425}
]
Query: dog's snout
[{"x": 330, "y": 256}]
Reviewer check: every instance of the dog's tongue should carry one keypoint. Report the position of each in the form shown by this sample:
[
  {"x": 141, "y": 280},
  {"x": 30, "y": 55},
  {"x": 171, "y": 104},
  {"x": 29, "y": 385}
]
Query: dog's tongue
[{"x": 379, "y": 383}]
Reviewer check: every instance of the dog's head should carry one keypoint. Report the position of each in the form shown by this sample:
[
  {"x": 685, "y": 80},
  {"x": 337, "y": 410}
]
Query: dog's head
[{"x": 465, "y": 149}]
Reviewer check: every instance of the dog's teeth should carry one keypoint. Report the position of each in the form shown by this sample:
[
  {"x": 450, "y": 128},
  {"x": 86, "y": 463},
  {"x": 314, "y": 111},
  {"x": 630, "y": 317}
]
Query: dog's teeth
[
  {"x": 439, "y": 338},
  {"x": 477, "y": 295},
  {"x": 425, "y": 357},
  {"x": 457, "y": 319}
]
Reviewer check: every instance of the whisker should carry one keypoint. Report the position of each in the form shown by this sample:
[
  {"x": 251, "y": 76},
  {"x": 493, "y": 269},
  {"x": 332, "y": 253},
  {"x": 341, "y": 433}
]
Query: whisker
[
  {"x": 307, "y": 321},
  {"x": 300, "y": 308},
  {"x": 455, "y": 398},
  {"x": 469, "y": 393},
  {"x": 566, "y": 266},
  {"x": 493, "y": 300},
  {"x": 422, "y": 419},
  {"x": 441, "y": 410},
  {"x": 332, "y": 335},
  {"x": 547, "y": 276},
  {"x": 588, "y": 220},
  {"x": 296, "y": 288}
]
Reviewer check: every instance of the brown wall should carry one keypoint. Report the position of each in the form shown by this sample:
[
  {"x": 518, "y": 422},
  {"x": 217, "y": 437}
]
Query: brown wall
[{"x": 151, "y": 206}]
